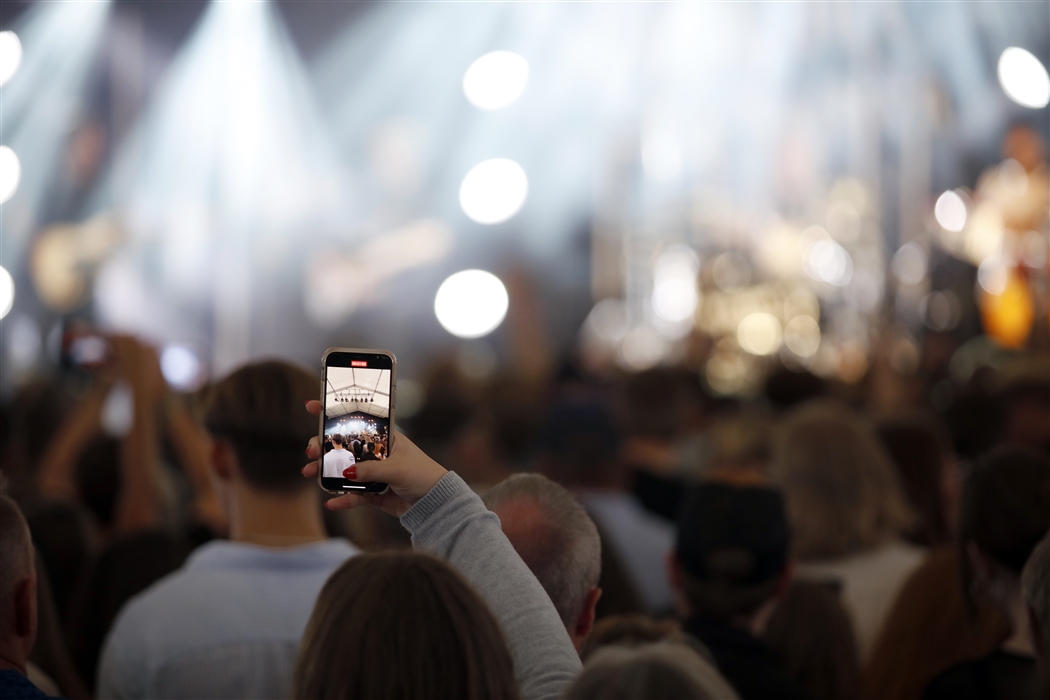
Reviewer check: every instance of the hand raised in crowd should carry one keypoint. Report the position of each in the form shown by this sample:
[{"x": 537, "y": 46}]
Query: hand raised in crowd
[{"x": 408, "y": 470}]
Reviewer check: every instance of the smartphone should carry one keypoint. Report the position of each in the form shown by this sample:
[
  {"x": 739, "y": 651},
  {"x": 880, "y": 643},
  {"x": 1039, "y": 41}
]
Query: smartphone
[{"x": 357, "y": 423}]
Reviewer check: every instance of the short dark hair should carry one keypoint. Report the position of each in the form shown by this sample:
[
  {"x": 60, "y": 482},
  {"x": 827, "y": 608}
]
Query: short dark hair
[
  {"x": 338, "y": 439},
  {"x": 258, "y": 411},
  {"x": 402, "y": 625}
]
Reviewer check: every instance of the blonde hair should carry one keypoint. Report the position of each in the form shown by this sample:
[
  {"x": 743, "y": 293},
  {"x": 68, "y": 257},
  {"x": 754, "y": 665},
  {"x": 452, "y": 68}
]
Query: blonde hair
[{"x": 842, "y": 492}]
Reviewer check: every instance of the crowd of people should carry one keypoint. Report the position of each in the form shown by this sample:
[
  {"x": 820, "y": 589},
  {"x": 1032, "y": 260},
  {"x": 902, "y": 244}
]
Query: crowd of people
[{"x": 556, "y": 535}]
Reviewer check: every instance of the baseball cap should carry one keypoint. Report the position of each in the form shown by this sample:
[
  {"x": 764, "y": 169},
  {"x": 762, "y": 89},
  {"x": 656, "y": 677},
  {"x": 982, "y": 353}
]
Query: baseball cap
[{"x": 736, "y": 534}]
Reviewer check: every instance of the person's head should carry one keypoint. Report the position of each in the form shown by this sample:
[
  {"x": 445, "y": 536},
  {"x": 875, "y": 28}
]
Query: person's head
[
  {"x": 1035, "y": 583},
  {"x": 557, "y": 540},
  {"x": 580, "y": 444},
  {"x": 731, "y": 555},
  {"x": 661, "y": 670},
  {"x": 256, "y": 418},
  {"x": 370, "y": 447},
  {"x": 633, "y": 630},
  {"x": 402, "y": 625},
  {"x": 18, "y": 614},
  {"x": 1004, "y": 513},
  {"x": 922, "y": 452},
  {"x": 842, "y": 491},
  {"x": 338, "y": 441}
]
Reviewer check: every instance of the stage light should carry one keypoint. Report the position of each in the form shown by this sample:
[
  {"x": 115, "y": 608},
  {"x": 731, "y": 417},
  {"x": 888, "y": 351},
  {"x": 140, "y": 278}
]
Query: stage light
[
  {"x": 10, "y": 55},
  {"x": 802, "y": 336},
  {"x": 829, "y": 262},
  {"x": 10, "y": 173},
  {"x": 493, "y": 191},
  {"x": 759, "y": 333},
  {"x": 1024, "y": 78},
  {"x": 950, "y": 211},
  {"x": 180, "y": 367},
  {"x": 909, "y": 264},
  {"x": 471, "y": 303},
  {"x": 496, "y": 80},
  {"x": 675, "y": 300},
  {"x": 992, "y": 275},
  {"x": 7, "y": 292}
]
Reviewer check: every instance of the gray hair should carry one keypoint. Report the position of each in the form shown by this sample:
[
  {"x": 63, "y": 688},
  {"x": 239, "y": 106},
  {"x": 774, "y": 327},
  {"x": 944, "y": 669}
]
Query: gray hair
[
  {"x": 16, "y": 553},
  {"x": 1035, "y": 582},
  {"x": 661, "y": 670},
  {"x": 553, "y": 535}
]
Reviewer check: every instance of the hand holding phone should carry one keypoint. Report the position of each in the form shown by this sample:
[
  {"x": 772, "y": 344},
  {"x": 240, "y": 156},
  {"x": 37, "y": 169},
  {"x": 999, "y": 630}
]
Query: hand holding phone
[{"x": 409, "y": 472}]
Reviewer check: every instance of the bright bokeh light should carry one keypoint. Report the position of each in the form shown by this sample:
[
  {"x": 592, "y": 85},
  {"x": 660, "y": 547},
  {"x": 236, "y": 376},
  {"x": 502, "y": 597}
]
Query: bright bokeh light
[
  {"x": 10, "y": 173},
  {"x": 471, "y": 303},
  {"x": 10, "y": 55},
  {"x": 909, "y": 264},
  {"x": 950, "y": 211},
  {"x": 829, "y": 262},
  {"x": 802, "y": 336},
  {"x": 992, "y": 275},
  {"x": 759, "y": 333},
  {"x": 1024, "y": 78},
  {"x": 493, "y": 191},
  {"x": 7, "y": 292},
  {"x": 496, "y": 80},
  {"x": 608, "y": 320},
  {"x": 181, "y": 367},
  {"x": 674, "y": 284}
]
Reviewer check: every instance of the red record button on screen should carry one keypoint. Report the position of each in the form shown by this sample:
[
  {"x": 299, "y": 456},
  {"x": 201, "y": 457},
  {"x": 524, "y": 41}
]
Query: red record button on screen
[{"x": 358, "y": 363}]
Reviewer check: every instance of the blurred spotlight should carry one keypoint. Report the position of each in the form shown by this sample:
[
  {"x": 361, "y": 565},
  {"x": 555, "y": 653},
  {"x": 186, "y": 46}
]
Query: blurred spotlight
[
  {"x": 674, "y": 284},
  {"x": 950, "y": 211},
  {"x": 827, "y": 261},
  {"x": 181, "y": 368},
  {"x": 802, "y": 336},
  {"x": 10, "y": 173},
  {"x": 759, "y": 333},
  {"x": 493, "y": 191},
  {"x": 496, "y": 80},
  {"x": 984, "y": 235},
  {"x": 642, "y": 348},
  {"x": 10, "y": 55},
  {"x": 1013, "y": 177},
  {"x": 941, "y": 310},
  {"x": 1007, "y": 317},
  {"x": 909, "y": 264},
  {"x": 7, "y": 292},
  {"x": 1024, "y": 78},
  {"x": 608, "y": 320},
  {"x": 992, "y": 275},
  {"x": 471, "y": 303}
]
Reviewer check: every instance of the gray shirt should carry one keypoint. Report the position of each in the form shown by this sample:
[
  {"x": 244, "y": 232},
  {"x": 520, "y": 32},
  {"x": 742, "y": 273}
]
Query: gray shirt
[{"x": 451, "y": 522}]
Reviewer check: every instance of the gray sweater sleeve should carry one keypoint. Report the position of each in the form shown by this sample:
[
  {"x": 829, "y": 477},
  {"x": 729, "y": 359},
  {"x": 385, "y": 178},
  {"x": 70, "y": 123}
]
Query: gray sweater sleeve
[{"x": 451, "y": 522}]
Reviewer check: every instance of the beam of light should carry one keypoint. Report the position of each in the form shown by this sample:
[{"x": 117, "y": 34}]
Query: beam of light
[
  {"x": 10, "y": 55},
  {"x": 471, "y": 303},
  {"x": 42, "y": 99},
  {"x": 225, "y": 185},
  {"x": 1024, "y": 78}
]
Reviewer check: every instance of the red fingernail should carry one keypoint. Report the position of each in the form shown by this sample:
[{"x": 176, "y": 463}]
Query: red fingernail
[{"x": 350, "y": 473}]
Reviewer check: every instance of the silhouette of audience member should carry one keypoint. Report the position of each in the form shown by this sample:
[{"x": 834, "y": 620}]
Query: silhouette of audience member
[
  {"x": 730, "y": 566},
  {"x": 661, "y": 670},
  {"x": 580, "y": 446},
  {"x": 1004, "y": 513},
  {"x": 402, "y": 625},
  {"x": 228, "y": 624},
  {"x": 847, "y": 510},
  {"x": 18, "y": 612},
  {"x": 557, "y": 540}
]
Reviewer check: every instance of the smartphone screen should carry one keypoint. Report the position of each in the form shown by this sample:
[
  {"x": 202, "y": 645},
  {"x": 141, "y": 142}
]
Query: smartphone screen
[{"x": 358, "y": 415}]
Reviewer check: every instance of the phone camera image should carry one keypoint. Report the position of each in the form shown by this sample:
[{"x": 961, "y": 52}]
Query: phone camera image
[{"x": 357, "y": 412}]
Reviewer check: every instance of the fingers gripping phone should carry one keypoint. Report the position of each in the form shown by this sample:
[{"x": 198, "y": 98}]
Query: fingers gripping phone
[{"x": 357, "y": 423}]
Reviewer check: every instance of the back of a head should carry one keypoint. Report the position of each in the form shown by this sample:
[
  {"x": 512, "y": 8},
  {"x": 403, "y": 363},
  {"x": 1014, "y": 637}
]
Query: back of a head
[
  {"x": 1005, "y": 508},
  {"x": 843, "y": 493},
  {"x": 661, "y": 670},
  {"x": 258, "y": 410},
  {"x": 553, "y": 535},
  {"x": 732, "y": 547},
  {"x": 16, "y": 555},
  {"x": 404, "y": 626},
  {"x": 1035, "y": 582},
  {"x": 580, "y": 443}
]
